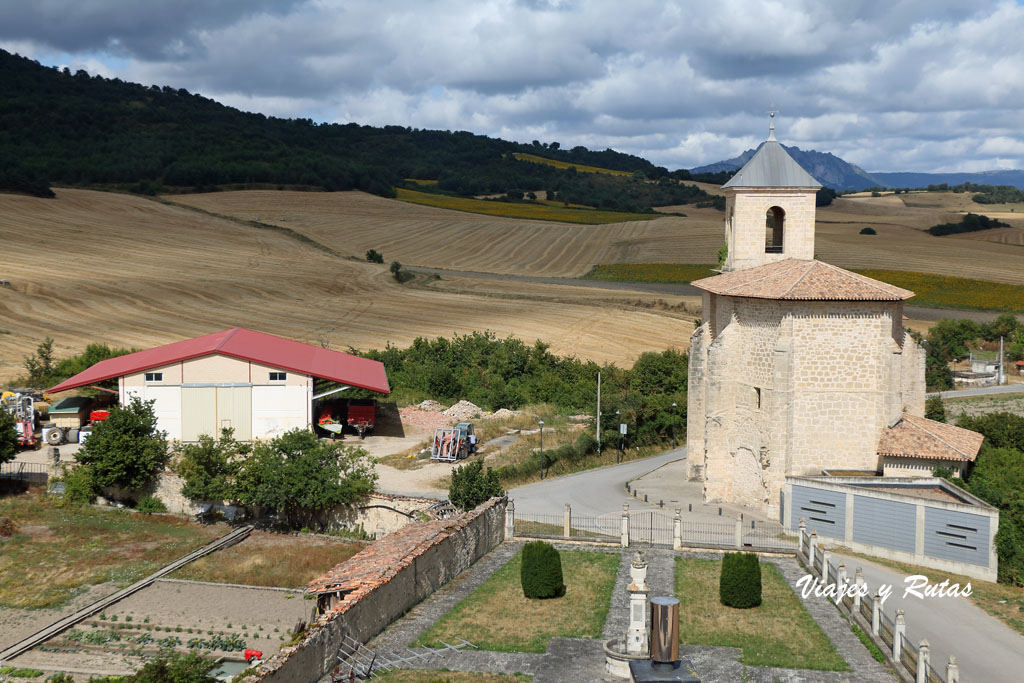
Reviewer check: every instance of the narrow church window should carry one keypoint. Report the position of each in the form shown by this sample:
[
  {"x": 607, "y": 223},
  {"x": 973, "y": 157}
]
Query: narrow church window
[
  {"x": 758, "y": 390},
  {"x": 774, "y": 220}
]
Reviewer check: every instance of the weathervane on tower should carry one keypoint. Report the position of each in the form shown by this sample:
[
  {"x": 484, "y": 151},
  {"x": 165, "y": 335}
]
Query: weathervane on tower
[{"x": 772, "y": 111}]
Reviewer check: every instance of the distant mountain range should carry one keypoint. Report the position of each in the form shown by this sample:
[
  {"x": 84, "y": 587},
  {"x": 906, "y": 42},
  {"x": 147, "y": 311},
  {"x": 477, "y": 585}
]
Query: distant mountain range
[{"x": 831, "y": 171}]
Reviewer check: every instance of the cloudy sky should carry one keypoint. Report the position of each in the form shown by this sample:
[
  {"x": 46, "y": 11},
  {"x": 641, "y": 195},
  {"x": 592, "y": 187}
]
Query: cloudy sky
[{"x": 891, "y": 85}]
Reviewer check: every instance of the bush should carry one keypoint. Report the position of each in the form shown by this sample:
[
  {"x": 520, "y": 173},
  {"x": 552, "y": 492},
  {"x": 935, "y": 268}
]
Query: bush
[
  {"x": 868, "y": 231},
  {"x": 541, "y": 571},
  {"x": 8, "y": 437},
  {"x": 79, "y": 485},
  {"x": 471, "y": 485},
  {"x": 126, "y": 450},
  {"x": 740, "y": 583},
  {"x": 301, "y": 478},
  {"x": 374, "y": 256},
  {"x": 935, "y": 409},
  {"x": 150, "y": 504}
]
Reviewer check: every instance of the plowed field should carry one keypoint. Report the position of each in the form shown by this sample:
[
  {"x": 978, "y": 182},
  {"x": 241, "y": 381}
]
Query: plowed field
[{"x": 94, "y": 266}]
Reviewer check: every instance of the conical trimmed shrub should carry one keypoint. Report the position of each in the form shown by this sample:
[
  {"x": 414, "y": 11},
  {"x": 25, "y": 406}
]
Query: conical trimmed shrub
[
  {"x": 541, "y": 571},
  {"x": 740, "y": 582}
]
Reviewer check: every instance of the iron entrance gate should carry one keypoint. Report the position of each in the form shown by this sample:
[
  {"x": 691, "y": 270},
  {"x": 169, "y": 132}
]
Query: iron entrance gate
[{"x": 650, "y": 528}]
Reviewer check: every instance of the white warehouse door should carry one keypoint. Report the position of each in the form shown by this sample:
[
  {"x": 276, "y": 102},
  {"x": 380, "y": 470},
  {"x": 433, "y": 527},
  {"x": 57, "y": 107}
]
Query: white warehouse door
[{"x": 208, "y": 409}]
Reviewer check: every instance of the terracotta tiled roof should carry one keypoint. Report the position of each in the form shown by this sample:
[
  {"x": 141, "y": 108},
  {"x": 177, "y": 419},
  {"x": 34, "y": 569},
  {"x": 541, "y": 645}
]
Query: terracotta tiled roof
[
  {"x": 919, "y": 437},
  {"x": 378, "y": 563},
  {"x": 795, "y": 279}
]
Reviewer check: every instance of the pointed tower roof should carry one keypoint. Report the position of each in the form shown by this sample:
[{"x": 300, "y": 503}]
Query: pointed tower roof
[{"x": 772, "y": 166}]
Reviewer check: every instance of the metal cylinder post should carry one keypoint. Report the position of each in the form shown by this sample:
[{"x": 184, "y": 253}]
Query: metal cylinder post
[{"x": 664, "y": 630}]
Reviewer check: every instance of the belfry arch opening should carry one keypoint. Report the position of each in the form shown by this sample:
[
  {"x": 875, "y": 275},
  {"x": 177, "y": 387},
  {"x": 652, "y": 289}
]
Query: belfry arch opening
[{"x": 774, "y": 226}]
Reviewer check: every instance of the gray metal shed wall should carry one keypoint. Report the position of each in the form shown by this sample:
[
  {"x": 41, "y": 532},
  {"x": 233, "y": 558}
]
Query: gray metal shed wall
[
  {"x": 956, "y": 536},
  {"x": 824, "y": 511},
  {"x": 884, "y": 523}
]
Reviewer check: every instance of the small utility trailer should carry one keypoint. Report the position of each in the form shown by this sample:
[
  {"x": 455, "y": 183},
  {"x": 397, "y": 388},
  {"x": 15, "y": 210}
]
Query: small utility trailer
[{"x": 453, "y": 443}]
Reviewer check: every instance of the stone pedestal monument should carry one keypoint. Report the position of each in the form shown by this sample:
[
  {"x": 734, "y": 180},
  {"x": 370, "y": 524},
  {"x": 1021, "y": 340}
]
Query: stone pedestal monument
[{"x": 637, "y": 637}]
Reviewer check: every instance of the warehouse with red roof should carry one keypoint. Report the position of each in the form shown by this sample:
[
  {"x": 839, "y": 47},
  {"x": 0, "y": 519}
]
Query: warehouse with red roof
[{"x": 258, "y": 384}]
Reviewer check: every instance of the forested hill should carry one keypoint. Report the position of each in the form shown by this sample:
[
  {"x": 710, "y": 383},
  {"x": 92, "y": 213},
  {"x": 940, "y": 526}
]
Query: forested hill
[{"x": 77, "y": 129}]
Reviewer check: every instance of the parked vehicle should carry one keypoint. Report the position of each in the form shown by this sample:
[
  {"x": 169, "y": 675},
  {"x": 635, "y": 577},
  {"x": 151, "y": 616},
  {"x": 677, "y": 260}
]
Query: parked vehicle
[
  {"x": 362, "y": 415},
  {"x": 453, "y": 443},
  {"x": 359, "y": 414},
  {"x": 22, "y": 407}
]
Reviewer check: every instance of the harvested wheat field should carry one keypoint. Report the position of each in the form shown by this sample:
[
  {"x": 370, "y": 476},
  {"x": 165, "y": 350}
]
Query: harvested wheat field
[
  {"x": 353, "y": 222},
  {"x": 133, "y": 272}
]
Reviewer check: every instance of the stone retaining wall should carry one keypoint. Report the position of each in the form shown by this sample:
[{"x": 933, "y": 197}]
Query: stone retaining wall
[{"x": 361, "y": 596}]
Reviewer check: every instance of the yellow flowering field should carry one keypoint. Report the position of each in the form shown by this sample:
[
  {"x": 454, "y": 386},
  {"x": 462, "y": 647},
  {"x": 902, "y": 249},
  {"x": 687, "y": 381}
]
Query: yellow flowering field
[
  {"x": 944, "y": 291},
  {"x": 651, "y": 272},
  {"x": 421, "y": 181},
  {"x": 541, "y": 212},
  {"x": 564, "y": 164}
]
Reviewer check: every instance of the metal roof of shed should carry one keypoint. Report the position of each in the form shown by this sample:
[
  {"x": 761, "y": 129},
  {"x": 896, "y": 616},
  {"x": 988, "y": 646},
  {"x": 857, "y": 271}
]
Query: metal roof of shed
[
  {"x": 257, "y": 347},
  {"x": 71, "y": 404},
  {"x": 772, "y": 166}
]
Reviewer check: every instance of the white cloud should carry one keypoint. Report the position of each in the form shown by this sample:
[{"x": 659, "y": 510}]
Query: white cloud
[{"x": 887, "y": 84}]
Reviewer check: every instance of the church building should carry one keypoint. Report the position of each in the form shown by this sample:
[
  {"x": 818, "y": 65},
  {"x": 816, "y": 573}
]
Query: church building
[{"x": 800, "y": 366}]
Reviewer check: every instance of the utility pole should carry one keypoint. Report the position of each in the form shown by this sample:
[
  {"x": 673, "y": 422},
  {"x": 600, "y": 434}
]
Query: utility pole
[
  {"x": 999, "y": 377},
  {"x": 598, "y": 434}
]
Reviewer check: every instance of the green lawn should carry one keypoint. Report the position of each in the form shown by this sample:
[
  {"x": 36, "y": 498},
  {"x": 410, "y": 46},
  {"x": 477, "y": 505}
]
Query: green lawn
[
  {"x": 780, "y": 632},
  {"x": 496, "y": 616},
  {"x": 59, "y": 550}
]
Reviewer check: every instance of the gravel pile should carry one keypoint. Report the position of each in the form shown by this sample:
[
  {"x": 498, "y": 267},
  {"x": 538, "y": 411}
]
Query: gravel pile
[
  {"x": 462, "y": 411},
  {"x": 412, "y": 417},
  {"x": 432, "y": 405},
  {"x": 503, "y": 413}
]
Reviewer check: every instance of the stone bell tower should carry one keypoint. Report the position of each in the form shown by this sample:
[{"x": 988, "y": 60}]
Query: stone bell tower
[{"x": 769, "y": 208}]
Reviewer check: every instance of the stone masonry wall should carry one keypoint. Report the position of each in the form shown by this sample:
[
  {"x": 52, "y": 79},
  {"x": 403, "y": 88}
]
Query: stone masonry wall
[
  {"x": 745, "y": 225},
  {"x": 791, "y": 387},
  {"x": 381, "y": 583}
]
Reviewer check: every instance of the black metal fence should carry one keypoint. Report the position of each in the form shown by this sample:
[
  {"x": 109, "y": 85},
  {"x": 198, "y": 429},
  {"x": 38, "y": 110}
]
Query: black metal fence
[{"x": 32, "y": 473}]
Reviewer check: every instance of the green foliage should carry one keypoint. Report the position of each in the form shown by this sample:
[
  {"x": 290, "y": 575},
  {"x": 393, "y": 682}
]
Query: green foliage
[
  {"x": 1001, "y": 430},
  {"x": 471, "y": 485},
  {"x": 79, "y": 486},
  {"x": 935, "y": 409},
  {"x": 149, "y": 505},
  {"x": 61, "y": 678},
  {"x": 210, "y": 467},
  {"x": 998, "y": 478},
  {"x": 73, "y": 129},
  {"x": 972, "y": 222},
  {"x": 8, "y": 437},
  {"x": 723, "y": 254},
  {"x": 865, "y": 639},
  {"x": 126, "y": 450},
  {"x": 541, "y": 571},
  {"x": 175, "y": 668},
  {"x": 40, "y": 364},
  {"x": 868, "y": 231},
  {"x": 824, "y": 197},
  {"x": 373, "y": 256},
  {"x": 1010, "y": 539},
  {"x": 300, "y": 477},
  {"x": 950, "y": 339},
  {"x": 23, "y": 673},
  {"x": 995, "y": 194},
  {"x": 740, "y": 582},
  {"x": 46, "y": 371}
]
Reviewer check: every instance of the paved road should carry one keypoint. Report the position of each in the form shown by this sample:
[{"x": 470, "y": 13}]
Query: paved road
[
  {"x": 981, "y": 391},
  {"x": 986, "y": 649},
  {"x": 591, "y": 493}
]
